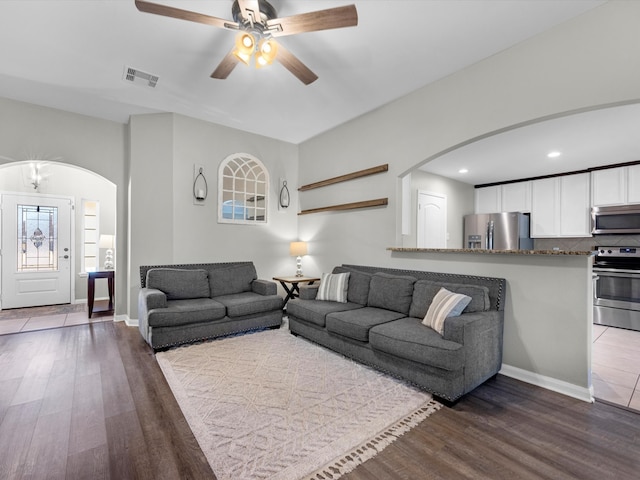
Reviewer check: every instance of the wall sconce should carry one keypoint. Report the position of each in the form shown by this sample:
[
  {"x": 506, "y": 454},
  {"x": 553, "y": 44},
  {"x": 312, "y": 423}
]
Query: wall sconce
[
  {"x": 37, "y": 175},
  {"x": 285, "y": 198},
  {"x": 200, "y": 187},
  {"x": 108, "y": 242},
  {"x": 298, "y": 249}
]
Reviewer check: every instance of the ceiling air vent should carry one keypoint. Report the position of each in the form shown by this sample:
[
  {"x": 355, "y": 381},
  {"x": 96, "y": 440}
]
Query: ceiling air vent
[{"x": 138, "y": 76}]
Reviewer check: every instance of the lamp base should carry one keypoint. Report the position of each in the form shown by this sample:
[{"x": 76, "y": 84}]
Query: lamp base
[
  {"x": 108, "y": 260},
  {"x": 299, "y": 267}
]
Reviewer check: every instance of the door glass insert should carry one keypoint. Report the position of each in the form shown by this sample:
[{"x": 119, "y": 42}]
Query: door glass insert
[{"x": 37, "y": 238}]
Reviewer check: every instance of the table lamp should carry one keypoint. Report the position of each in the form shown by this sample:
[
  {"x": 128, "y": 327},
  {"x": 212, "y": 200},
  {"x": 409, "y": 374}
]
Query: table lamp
[
  {"x": 298, "y": 249},
  {"x": 107, "y": 241}
]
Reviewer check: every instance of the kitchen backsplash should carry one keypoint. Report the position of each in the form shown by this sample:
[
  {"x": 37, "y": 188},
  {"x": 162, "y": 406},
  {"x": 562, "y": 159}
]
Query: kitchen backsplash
[{"x": 586, "y": 244}]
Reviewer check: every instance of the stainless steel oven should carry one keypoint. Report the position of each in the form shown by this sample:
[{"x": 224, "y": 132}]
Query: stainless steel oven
[{"x": 617, "y": 287}]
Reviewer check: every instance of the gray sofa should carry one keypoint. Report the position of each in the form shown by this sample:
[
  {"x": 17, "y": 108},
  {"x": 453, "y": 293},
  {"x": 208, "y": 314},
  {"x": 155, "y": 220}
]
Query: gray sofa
[
  {"x": 381, "y": 325},
  {"x": 185, "y": 303}
]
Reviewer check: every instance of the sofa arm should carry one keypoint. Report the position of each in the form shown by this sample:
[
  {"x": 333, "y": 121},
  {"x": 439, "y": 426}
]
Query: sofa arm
[
  {"x": 481, "y": 335},
  {"x": 308, "y": 292},
  {"x": 264, "y": 287},
  {"x": 148, "y": 299},
  {"x": 152, "y": 298}
]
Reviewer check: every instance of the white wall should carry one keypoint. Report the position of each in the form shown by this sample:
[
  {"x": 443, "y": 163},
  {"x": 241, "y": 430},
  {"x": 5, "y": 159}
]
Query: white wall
[
  {"x": 168, "y": 228},
  {"x": 583, "y": 63},
  {"x": 30, "y": 131}
]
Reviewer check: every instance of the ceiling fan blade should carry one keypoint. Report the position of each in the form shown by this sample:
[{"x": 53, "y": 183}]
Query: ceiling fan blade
[
  {"x": 295, "y": 66},
  {"x": 250, "y": 9},
  {"x": 225, "y": 67},
  {"x": 172, "y": 12},
  {"x": 338, "y": 17}
]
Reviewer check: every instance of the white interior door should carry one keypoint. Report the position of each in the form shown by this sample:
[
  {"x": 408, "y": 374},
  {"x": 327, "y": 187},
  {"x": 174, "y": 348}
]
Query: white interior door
[
  {"x": 36, "y": 251},
  {"x": 432, "y": 220}
]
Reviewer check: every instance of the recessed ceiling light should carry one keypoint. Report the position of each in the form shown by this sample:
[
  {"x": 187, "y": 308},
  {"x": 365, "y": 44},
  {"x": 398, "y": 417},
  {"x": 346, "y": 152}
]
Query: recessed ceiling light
[
  {"x": 463, "y": 170},
  {"x": 554, "y": 154}
]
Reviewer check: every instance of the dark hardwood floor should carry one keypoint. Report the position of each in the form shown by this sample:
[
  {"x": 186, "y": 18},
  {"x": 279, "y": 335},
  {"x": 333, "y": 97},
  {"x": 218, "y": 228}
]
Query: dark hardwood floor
[{"x": 90, "y": 402}]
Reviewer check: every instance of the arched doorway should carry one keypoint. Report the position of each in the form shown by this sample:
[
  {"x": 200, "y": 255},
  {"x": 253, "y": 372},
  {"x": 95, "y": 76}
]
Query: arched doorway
[{"x": 92, "y": 200}]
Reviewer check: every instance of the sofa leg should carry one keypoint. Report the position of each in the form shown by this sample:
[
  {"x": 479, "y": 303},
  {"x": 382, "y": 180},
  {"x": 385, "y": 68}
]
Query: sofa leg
[
  {"x": 293, "y": 333},
  {"x": 445, "y": 402}
]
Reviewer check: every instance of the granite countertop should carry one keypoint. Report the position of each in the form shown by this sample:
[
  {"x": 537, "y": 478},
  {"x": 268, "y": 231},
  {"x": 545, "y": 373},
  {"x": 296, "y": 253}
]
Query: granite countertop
[{"x": 492, "y": 252}]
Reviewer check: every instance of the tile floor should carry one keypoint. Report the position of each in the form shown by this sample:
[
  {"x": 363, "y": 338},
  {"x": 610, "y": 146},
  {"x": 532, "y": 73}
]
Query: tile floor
[
  {"x": 36, "y": 318},
  {"x": 616, "y": 366}
]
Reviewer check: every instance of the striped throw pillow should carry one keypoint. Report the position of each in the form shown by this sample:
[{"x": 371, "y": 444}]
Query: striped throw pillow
[
  {"x": 333, "y": 287},
  {"x": 445, "y": 304}
]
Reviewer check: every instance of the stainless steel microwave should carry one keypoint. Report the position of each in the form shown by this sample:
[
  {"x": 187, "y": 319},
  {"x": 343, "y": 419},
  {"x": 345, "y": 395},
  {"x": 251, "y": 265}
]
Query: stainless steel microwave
[{"x": 616, "y": 219}]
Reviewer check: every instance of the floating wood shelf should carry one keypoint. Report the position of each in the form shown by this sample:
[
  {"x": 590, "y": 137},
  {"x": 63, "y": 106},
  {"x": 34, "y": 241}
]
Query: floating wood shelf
[
  {"x": 344, "y": 178},
  {"x": 348, "y": 206}
]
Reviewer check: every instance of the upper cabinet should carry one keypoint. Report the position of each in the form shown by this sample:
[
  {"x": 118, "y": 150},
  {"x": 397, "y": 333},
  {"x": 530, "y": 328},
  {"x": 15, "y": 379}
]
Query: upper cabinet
[
  {"x": 511, "y": 197},
  {"x": 560, "y": 207},
  {"x": 489, "y": 199},
  {"x": 615, "y": 186},
  {"x": 516, "y": 197}
]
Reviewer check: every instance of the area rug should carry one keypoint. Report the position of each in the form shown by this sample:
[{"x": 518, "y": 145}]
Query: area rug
[{"x": 268, "y": 405}]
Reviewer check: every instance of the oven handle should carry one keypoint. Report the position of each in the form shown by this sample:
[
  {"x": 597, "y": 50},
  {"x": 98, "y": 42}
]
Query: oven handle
[{"x": 617, "y": 272}]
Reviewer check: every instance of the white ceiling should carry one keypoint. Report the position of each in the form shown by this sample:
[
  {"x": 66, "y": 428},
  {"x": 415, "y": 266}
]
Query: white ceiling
[
  {"x": 71, "y": 55},
  {"x": 584, "y": 140}
]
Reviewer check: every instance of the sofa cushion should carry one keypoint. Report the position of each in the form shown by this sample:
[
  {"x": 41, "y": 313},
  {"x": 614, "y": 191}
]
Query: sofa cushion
[
  {"x": 315, "y": 311},
  {"x": 425, "y": 290},
  {"x": 445, "y": 304},
  {"x": 391, "y": 292},
  {"x": 358, "y": 290},
  {"x": 248, "y": 303},
  {"x": 407, "y": 338},
  {"x": 185, "y": 312},
  {"x": 356, "y": 324},
  {"x": 179, "y": 284},
  {"x": 232, "y": 279},
  {"x": 333, "y": 287}
]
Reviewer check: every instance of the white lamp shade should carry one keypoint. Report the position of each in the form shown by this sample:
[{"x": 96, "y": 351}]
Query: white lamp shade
[
  {"x": 298, "y": 249},
  {"x": 107, "y": 241}
]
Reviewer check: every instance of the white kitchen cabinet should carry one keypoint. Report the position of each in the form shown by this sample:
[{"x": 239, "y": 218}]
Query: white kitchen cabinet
[
  {"x": 574, "y": 206},
  {"x": 633, "y": 184},
  {"x": 560, "y": 207},
  {"x": 488, "y": 199},
  {"x": 511, "y": 197},
  {"x": 516, "y": 197},
  {"x": 615, "y": 186},
  {"x": 545, "y": 208},
  {"x": 608, "y": 186}
]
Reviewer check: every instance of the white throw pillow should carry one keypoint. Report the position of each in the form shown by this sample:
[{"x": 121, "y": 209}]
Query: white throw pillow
[
  {"x": 445, "y": 304},
  {"x": 333, "y": 287}
]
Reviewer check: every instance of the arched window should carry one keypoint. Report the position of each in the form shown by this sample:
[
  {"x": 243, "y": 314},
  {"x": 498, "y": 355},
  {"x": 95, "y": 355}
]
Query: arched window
[{"x": 243, "y": 183}]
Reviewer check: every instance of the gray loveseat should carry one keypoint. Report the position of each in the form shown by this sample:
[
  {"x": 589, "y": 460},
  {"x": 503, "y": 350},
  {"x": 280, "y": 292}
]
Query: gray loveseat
[
  {"x": 184, "y": 303},
  {"x": 381, "y": 325}
]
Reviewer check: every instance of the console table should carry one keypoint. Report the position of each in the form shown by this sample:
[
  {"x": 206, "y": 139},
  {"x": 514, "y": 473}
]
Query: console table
[
  {"x": 294, "y": 291},
  {"x": 91, "y": 283}
]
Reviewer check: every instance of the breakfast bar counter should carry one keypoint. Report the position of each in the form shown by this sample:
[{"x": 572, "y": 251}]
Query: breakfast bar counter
[{"x": 491, "y": 252}]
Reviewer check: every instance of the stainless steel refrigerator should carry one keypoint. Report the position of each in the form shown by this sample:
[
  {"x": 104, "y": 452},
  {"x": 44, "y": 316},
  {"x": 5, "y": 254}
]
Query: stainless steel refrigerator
[{"x": 498, "y": 231}]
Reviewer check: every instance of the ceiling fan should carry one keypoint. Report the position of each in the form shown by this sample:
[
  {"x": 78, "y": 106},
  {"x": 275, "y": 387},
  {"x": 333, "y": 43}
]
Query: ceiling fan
[{"x": 256, "y": 25}]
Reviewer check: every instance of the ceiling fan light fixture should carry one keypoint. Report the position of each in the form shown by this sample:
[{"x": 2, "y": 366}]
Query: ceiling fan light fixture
[
  {"x": 267, "y": 51},
  {"x": 245, "y": 46}
]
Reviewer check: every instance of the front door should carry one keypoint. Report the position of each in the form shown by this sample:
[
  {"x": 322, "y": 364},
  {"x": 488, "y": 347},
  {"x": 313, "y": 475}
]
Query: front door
[{"x": 36, "y": 251}]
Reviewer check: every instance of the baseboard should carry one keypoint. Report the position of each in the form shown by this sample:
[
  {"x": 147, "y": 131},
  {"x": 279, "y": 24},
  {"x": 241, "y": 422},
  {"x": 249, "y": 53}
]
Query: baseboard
[
  {"x": 129, "y": 322},
  {"x": 553, "y": 384}
]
